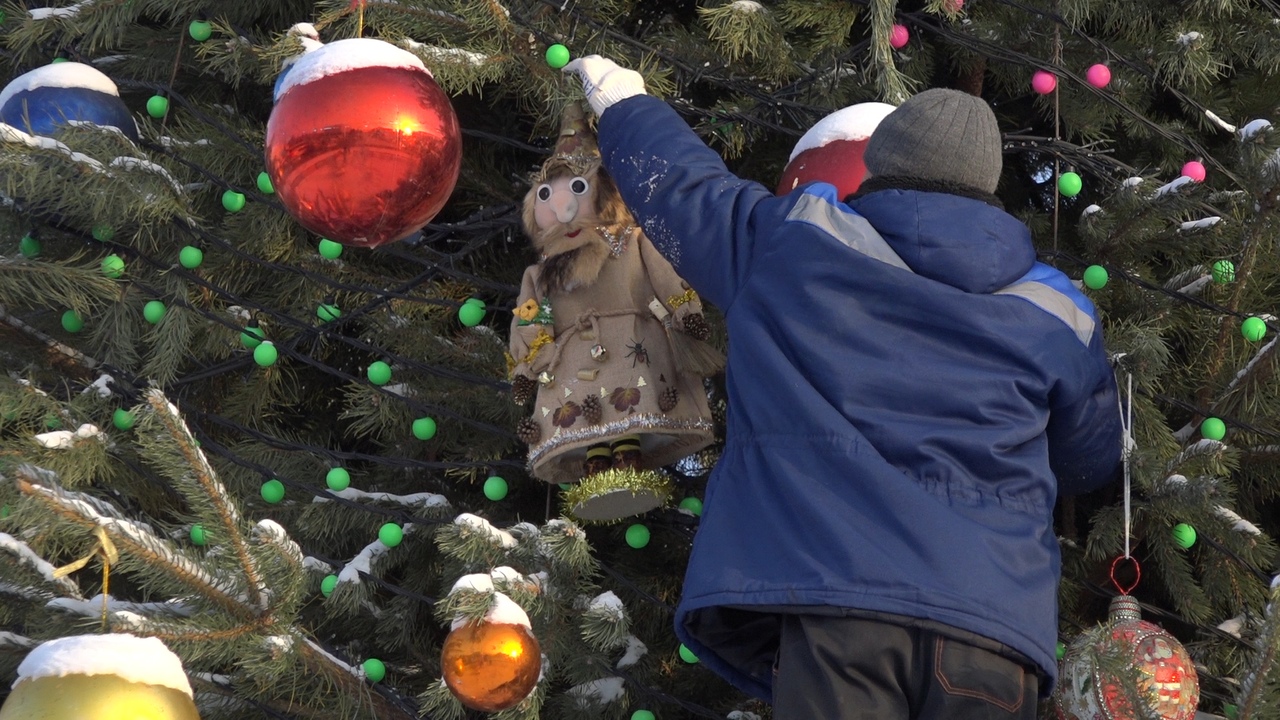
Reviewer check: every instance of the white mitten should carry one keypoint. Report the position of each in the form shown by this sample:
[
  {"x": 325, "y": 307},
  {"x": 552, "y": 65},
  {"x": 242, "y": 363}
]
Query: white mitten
[{"x": 605, "y": 82}]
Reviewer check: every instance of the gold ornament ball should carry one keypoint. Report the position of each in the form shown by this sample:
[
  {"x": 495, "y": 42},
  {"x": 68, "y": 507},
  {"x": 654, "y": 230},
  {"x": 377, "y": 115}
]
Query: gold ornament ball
[
  {"x": 491, "y": 666},
  {"x": 95, "y": 697}
]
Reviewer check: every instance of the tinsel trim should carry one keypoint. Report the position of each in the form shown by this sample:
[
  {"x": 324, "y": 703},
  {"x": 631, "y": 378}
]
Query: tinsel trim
[
  {"x": 616, "y": 480},
  {"x": 539, "y": 342},
  {"x": 676, "y": 301},
  {"x": 630, "y": 424}
]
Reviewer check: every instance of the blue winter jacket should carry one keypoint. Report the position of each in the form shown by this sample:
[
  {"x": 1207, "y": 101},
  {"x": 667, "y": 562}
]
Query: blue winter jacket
[{"x": 908, "y": 393}]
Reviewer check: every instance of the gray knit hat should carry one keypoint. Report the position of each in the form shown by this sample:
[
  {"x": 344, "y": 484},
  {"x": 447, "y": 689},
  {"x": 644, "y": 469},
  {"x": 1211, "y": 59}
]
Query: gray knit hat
[{"x": 947, "y": 136}]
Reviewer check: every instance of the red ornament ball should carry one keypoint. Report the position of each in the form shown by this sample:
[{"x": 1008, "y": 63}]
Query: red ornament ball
[
  {"x": 1194, "y": 169},
  {"x": 1163, "y": 671},
  {"x": 831, "y": 151},
  {"x": 363, "y": 147}
]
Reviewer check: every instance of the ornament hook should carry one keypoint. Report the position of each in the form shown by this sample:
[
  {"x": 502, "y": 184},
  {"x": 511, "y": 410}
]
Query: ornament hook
[{"x": 1137, "y": 574}]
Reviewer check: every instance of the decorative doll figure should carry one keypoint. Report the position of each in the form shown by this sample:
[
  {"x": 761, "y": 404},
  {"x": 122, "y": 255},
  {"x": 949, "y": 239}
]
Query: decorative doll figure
[{"x": 610, "y": 338}]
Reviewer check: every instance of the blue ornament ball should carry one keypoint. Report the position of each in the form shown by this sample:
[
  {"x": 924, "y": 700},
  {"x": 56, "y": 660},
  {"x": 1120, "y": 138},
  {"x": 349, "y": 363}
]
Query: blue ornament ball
[{"x": 50, "y": 96}]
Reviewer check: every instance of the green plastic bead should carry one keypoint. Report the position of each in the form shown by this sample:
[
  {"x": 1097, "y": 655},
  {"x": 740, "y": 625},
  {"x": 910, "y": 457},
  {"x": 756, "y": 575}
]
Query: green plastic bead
[
  {"x": 1095, "y": 277},
  {"x": 424, "y": 428},
  {"x": 557, "y": 56},
  {"x": 252, "y": 336},
  {"x": 266, "y": 354},
  {"x": 1253, "y": 329},
  {"x": 2, "y": 19},
  {"x": 233, "y": 201},
  {"x": 338, "y": 479},
  {"x": 471, "y": 313},
  {"x": 1224, "y": 271},
  {"x": 53, "y": 422},
  {"x": 59, "y": 59},
  {"x": 123, "y": 419},
  {"x": 6, "y": 510},
  {"x": 1213, "y": 429},
  {"x": 687, "y": 655},
  {"x": 643, "y": 715},
  {"x": 330, "y": 249},
  {"x": 29, "y": 246},
  {"x": 638, "y": 536},
  {"x": 1230, "y": 711},
  {"x": 1070, "y": 184},
  {"x": 103, "y": 233},
  {"x": 565, "y": 486},
  {"x": 72, "y": 322},
  {"x": 157, "y": 106},
  {"x": 1184, "y": 535},
  {"x": 495, "y": 488},
  {"x": 153, "y": 311},
  {"x": 328, "y": 311},
  {"x": 390, "y": 534},
  {"x": 1062, "y": 650},
  {"x": 191, "y": 257},
  {"x": 273, "y": 491},
  {"x": 113, "y": 266},
  {"x": 200, "y": 30},
  {"x": 379, "y": 373},
  {"x": 374, "y": 669},
  {"x": 328, "y": 585},
  {"x": 198, "y": 535},
  {"x": 692, "y": 504},
  {"x": 264, "y": 184}
]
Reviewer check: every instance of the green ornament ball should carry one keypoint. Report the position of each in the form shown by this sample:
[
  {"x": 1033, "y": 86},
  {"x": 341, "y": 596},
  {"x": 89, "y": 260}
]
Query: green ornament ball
[
  {"x": 191, "y": 257},
  {"x": 379, "y": 373},
  {"x": 1253, "y": 329},
  {"x": 495, "y": 488},
  {"x": 153, "y": 311},
  {"x": 200, "y": 30},
  {"x": 266, "y": 354},
  {"x": 1224, "y": 271},
  {"x": 374, "y": 669},
  {"x": 643, "y": 715},
  {"x": 1230, "y": 711},
  {"x": 471, "y": 313},
  {"x": 273, "y": 491},
  {"x": 233, "y": 201},
  {"x": 252, "y": 336},
  {"x": 53, "y": 422},
  {"x": 3, "y": 17},
  {"x": 59, "y": 59},
  {"x": 1213, "y": 429},
  {"x": 157, "y": 106},
  {"x": 1184, "y": 535},
  {"x": 1070, "y": 184},
  {"x": 687, "y": 655},
  {"x": 328, "y": 311},
  {"x": 6, "y": 510},
  {"x": 637, "y": 536},
  {"x": 390, "y": 534},
  {"x": 113, "y": 266},
  {"x": 424, "y": 428},
  {"x": 72, "y": 322},
  {"x": 264, "y": 184},
  {"x": 1062, "y": 650},
  {"x": 338, "y": 479},
  {"x": 692, "y": 504},
  {"x": 198, "y": 535},
  {"x": 565, "y": 486},
  {"x": 330, "y": 249},
  {"x": 103, "y": 233},
  {"x": 1095, "y": 277},
  {"x": 29, "y": 246},
  {"x": 328, "y": 585},
  {"x": 557, "y": 56},
  {"x": 123, "y": 419}
]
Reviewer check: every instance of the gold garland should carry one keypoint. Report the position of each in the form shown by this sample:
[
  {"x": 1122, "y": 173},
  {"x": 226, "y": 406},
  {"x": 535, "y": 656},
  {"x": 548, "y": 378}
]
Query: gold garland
[
  {"x": 615, "y": 480},
  {"x": 676, "y": 301},
  {"x": 539, "y": 342}
]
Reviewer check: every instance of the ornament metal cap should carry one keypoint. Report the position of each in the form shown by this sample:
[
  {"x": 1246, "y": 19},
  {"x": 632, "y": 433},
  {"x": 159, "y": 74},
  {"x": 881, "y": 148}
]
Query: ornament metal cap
[{"x": 1125, "y": 608}]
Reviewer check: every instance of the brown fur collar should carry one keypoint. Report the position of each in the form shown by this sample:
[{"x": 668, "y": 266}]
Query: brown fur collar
[{"x": 577, "y": 267}]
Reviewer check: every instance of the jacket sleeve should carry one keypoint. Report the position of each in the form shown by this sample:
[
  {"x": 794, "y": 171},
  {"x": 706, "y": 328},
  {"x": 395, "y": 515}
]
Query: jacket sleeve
[
  {"x": 701, "y": 217},
  {"x": 1084, "y": 431}
]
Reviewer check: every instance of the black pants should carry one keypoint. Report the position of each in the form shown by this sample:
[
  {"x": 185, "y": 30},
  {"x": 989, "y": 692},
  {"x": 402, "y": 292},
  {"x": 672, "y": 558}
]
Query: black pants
[{"x": 848, "y": 668}]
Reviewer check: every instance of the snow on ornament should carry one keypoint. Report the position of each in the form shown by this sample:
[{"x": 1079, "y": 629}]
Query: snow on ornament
[
  {"x": 831, "y": 151},
  {"x": 101, "y": 677},
  {"x": 40, "y": 101},
  {"x": 1162, "y": 672},
  {"x": 363, "y": 147}
]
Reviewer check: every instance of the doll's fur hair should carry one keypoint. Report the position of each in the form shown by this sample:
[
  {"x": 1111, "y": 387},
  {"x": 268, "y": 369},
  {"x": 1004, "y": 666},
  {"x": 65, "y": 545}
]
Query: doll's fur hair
[{"x": 570, "y": 262}]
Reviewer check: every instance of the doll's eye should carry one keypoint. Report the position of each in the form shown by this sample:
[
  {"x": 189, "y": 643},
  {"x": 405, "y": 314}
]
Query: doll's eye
[
  {"x": 579, "y": 186},
  {"x": 544, "y": 192}
]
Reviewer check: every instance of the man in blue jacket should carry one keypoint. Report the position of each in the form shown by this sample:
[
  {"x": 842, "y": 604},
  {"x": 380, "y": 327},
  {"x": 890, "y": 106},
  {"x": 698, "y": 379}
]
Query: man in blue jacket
[{"x": 909, "y": 391}]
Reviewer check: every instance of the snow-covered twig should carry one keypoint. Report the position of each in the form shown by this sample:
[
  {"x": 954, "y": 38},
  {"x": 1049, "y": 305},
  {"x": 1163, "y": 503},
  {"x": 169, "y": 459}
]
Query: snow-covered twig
[
  {"x": 424, "y": 499},
  {"x": 28, "y": 557}
]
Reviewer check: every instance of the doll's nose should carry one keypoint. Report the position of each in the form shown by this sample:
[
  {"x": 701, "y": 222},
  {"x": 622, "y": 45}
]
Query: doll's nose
[{"x": 565, "y": 205}]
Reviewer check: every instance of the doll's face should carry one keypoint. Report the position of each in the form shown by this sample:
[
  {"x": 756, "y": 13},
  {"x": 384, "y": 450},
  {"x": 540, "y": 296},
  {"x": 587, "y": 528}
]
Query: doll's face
[{"x": 564, "y": 200}]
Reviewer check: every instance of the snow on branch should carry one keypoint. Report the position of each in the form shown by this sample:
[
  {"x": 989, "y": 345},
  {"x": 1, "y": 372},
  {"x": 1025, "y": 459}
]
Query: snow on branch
[
  {"x": 423, "y": 499},
  {"x": 11, "y": 640},
  {"x": 64, "y": 12},
  {"x": 11, "y": 134},
  {"x": 475, "y": 523},
  {"x": 272, "y": 532},
  {"x": 28, "y": 557},
  {"x": 1239, "y": 524},
  {"x": 433, "y": 52},
  {"x": 363, "y": 561}
]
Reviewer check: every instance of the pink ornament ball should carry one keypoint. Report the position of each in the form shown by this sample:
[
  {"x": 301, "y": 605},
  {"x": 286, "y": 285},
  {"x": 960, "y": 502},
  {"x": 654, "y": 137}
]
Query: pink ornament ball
[
  {"x": 899, "y": 36},
  {"x": 1194, "y": 169},
  {"x": 1043, "y": 82},
  {"x": 1098, "y": 75},
  {"x": 957, "y": 5}
]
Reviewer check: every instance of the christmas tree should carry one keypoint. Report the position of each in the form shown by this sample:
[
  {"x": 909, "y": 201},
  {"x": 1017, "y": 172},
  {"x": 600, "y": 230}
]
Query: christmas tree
[{"x": 293, "y": 458}]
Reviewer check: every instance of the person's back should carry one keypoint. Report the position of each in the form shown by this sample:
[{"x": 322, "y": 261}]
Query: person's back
[{"x": 904, "y": 383}]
